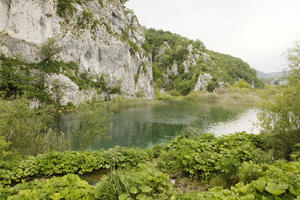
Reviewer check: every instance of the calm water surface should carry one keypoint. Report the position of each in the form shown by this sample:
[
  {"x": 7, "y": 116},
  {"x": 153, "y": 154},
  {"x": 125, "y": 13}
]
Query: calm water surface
[{"x": 144, "y": 126}]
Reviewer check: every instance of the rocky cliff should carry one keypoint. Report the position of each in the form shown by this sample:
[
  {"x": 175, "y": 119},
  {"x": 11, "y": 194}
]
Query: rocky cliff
[{"x": 102, "y": 37}]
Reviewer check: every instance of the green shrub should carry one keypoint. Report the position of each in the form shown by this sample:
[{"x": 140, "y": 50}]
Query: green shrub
[
  {"x": 134, "y": 48},
  {"x": 85, "y": 20},
  {"x": 95, "y": 25},
  {"x": 50, "y": 48},
  {"x": 68, "y": 187},
  {"x": 250, "y": 171},
  {"x": 107, "y": 26},
  {"x": 66, "y": 9},
  {"x": 101, "y": 3},
  {"x": 61, "y": 163},
  {"x": 295, "y": 155},
  {"x": 212, "y": 85},
  {"x": 278, "y": 181},
  {"x": 4, "y": 149},
  {"x": 281, "y": 179},
  {"x": 136, "y": 78},
  {"x": 18, "y": 80},
  {"x": 242, "y": 84},
  {"x": 140, "y": 94},
  {"x": 208, "y": 156},
  {"x": 125, "y": 34},
  {"x": 145, "y": 182}
]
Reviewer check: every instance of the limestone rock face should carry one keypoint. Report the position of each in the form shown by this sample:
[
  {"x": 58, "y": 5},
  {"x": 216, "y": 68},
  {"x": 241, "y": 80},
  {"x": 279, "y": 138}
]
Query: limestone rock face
[
  {"x": 207, "y": 59},
  {"x": 191, "y": 60},
  {"x": 64, "y": 90},
  {"x": 173, "y": 70},
  {"x": 203, "y": 81},
  {"x": 100, "y": 39}
]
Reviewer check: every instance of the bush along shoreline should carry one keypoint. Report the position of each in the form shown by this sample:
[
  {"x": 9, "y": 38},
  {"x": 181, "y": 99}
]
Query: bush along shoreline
[{"x": 229, "y": 167}]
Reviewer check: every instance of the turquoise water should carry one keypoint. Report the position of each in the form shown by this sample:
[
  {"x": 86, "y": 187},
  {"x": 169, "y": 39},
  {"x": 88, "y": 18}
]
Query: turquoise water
[{"x": 144, "y": 126}]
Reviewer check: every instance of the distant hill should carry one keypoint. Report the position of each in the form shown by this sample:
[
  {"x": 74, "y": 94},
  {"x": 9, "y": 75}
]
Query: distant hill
[
  {"x": 273, "y": 78},
  {"x": 270, "y": 75}
]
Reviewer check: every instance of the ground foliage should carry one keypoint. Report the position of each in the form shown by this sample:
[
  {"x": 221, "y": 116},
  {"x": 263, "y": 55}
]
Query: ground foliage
[
  {"x": 246, "y": 171},
  {"x": 208, "y": 156},
  {"x": 57, "y": 163}
]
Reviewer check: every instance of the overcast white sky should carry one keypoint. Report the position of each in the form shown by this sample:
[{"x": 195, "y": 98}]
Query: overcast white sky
[{"x": 258, "y": 31}]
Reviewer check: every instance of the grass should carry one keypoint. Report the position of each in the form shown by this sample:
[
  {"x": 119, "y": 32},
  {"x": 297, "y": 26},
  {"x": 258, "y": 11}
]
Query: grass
[
  {"x": 166, "y": 95},
  {"x": 228, "y": 96}
]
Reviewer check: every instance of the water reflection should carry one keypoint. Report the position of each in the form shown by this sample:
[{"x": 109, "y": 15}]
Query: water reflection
[
  {"x": 246, "y": 121},
  {"x": 81, "y": 128},
  {"x": 151, "y": 124}
]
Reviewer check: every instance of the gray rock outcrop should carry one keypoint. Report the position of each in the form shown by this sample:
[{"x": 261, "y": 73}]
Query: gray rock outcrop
[
  {"x": 203, "y": 81},
  {"x": 191, "y": 60},
  {"x": 64, "y": 90},
  {"x": 173, "y": 70}
]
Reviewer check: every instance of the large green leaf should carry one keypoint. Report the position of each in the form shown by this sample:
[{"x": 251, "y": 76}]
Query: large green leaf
[
  {"x": 260, "y": 184},
  {"x": 145, "y": 188},
  {"x": 133, "y": 190},
  {"x": 276, "y": 189}
]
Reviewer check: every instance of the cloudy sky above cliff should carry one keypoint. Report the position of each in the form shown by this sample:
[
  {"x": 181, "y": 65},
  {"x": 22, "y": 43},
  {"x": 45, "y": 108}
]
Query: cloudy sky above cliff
[{"x": 258, "y": 31}]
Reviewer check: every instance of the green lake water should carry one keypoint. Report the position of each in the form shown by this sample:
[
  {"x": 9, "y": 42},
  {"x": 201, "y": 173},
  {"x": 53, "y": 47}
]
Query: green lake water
[{"x": 147, "y": 125}]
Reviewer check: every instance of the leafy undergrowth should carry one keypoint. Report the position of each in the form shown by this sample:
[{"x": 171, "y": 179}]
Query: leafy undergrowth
[
  {"x": 208, "y": 156},
  {"x": 278, "y": 181},
  {"x": 57, "y": 163},
  {"x": 228, "y": 167}
]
